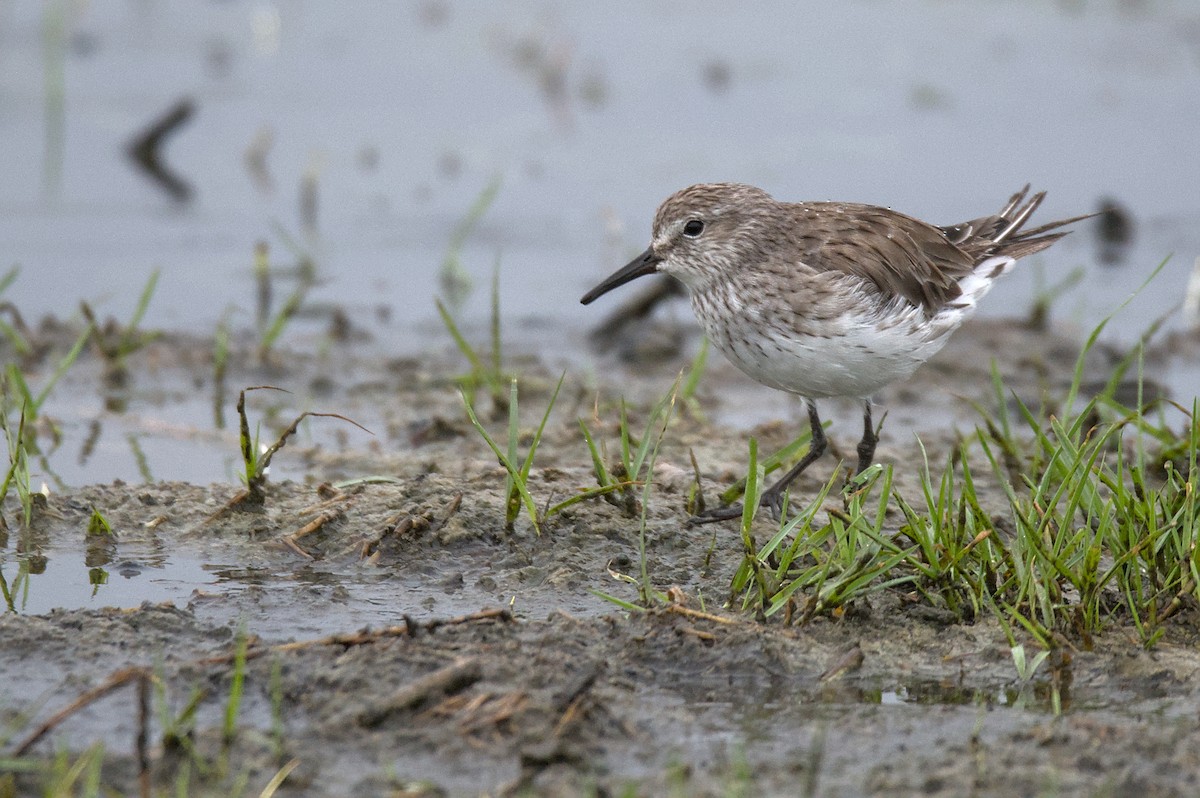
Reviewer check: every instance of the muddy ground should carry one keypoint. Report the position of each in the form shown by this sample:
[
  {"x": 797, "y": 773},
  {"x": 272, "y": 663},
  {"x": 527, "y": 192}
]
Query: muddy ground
[{"x": 486, "y": 663}]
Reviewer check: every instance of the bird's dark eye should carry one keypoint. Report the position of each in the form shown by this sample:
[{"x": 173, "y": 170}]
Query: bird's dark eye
[{"x": 693, "y": 228}]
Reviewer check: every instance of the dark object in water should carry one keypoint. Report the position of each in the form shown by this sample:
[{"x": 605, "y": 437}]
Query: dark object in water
[
  {"x": 146, "y": 149},
  {"x": 1114, "y": 231}
]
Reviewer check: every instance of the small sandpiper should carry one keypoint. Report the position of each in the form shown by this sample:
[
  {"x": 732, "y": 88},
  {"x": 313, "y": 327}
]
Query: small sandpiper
[{"x": 824, "y": 299}]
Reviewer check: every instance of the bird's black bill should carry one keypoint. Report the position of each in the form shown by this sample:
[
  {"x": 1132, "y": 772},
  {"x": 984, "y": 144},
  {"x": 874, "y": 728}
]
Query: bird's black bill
[{"x": 643, "y": 264}]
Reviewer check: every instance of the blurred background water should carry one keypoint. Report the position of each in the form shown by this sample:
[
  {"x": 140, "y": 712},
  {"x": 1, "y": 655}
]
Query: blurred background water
[{"x": 396, "y": 116}]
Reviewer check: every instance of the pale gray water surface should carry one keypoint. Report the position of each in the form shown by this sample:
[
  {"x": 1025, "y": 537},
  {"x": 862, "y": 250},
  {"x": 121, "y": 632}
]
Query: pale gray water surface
[{"x": 405, "y": 111}]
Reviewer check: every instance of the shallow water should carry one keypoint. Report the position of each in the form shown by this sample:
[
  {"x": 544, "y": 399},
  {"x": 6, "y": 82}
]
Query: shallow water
[
  {"x": 403, "y": 113},
  {"x": 63, "y": 579}
]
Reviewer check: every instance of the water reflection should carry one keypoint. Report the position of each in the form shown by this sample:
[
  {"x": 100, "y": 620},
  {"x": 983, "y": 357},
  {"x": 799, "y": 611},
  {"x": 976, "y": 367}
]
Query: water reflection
[{"x": 35, "y": 579}]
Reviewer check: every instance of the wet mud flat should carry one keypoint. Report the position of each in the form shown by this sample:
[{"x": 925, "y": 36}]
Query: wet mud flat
[{"x": 396, "y": 639}]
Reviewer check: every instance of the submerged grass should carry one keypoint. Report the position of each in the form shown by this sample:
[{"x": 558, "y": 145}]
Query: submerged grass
[
  {"x": 16, "y": 476},
  {"x": 116, "y": 342},
  {"x": 271, "y": 326},
  {"x": 15, "y": 332},
  {"x": 21, "y": 395}
]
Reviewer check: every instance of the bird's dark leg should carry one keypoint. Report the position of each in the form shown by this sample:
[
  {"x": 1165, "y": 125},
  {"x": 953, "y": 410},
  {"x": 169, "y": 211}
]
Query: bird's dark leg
[
  {"x": 772, "y": 497},
  {"x": 866, "y": 447}
]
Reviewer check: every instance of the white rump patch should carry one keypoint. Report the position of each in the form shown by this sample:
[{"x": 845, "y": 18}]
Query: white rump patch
[{"x": 976, "y": 284}]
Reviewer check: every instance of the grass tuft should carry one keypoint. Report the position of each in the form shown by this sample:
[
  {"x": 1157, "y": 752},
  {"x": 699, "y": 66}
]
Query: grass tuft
[
  {"x": 636, "y": 467},
  {"x": 256, "y": 460},
  {"x": 1100, "y": 524},
  {"x": 516, "y": 489},
  {"x": 517, "y": 469},
  {"x": 485, "y": 372},
  {"x": 116, "y": 342}
]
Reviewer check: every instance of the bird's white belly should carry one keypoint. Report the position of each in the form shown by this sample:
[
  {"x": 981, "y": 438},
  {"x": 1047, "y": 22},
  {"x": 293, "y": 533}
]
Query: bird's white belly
[{"x": 857, "y": 357}]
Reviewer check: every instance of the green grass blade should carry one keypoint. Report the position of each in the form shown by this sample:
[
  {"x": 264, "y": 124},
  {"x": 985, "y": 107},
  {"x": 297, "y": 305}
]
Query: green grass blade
[
  {"x": 229, "y": 726},
  {"x": 602, "y": 477},
  {"x": 770, "y": 464},
  {"x": 497, "y": 346},
  {"x": 754, "y": 476},
  {"x": 626, "y": 457},
  {"x": 143, "y": 303},
  {"x": 459, "y": 341},
  {"x": 508, "y": 464},
  {"x": 513, "y": 439},
  {"x": 622, "y": 603},
  {"x": 456, "y": 283},
  {"x": 61, "y": 369},
  {"x": 17, "y": 380},
  {"x": 1077, "y": 379},
  {"x": 585, "y": 494},
  {"x": 537, "y": 435},
  {"x": 279, "y": 322},
  {"x": 9, "y": 278}
]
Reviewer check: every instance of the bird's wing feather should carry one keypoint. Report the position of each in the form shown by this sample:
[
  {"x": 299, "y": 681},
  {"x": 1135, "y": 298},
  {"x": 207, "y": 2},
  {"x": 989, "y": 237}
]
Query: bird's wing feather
[
  {"x": 901, "y": 256},
  {"x": 905, "y": 257}
]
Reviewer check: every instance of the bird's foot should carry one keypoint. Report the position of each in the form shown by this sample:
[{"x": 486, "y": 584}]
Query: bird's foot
[{"x": 769, "y": 500}]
